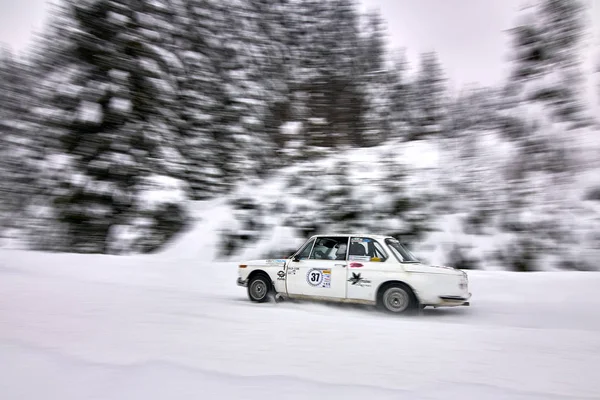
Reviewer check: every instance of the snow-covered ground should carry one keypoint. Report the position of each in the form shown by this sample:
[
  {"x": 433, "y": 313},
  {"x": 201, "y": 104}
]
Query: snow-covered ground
[{"x": 175, "y": 326}]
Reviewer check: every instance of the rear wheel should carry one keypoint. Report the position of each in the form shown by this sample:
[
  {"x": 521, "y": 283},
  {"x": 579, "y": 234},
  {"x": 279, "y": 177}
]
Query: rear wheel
[
  {"x": 259, "y": 288},
  {"x": 397, "y": 299}
]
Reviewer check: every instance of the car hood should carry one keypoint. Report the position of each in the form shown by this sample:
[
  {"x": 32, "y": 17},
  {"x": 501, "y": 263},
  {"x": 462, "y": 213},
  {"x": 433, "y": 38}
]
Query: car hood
[{"x": 278, "y": 262}]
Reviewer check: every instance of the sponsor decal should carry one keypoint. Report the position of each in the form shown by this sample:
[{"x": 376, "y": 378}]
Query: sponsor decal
[
  {"x": 359, "y": 258},
  {"x": 356, "y": 265},
  {"x": 358, "y": 280},
  {"x": 293, "y": 270},
  {"x": 278, "y": 261},
  {"x": 319, "y": 277},
  {"x": 281, "y": 275}
]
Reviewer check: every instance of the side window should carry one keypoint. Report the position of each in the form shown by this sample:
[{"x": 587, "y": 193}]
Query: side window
[
  {"x": 359, "y": 249},
  {"x": 379, "y": 252},
  {"x": 365, "y": 249},
  {"x": 330, "y": 248},
  {"x": 305, "y": 252}
]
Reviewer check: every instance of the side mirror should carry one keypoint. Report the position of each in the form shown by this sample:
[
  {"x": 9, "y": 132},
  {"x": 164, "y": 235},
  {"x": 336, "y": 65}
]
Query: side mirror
[{"x": 296, "y": 258}]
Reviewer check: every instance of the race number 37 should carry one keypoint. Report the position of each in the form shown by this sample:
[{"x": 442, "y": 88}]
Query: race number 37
[{"x": 314, "y": 277}]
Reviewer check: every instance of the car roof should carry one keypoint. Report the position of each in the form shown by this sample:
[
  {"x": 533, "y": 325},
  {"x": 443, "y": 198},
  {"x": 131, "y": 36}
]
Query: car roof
[{"x": 379, "y": 237}]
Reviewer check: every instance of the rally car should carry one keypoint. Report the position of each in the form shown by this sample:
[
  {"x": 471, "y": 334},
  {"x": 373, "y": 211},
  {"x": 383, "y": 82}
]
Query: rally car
[{"x": 362, "y": 268}]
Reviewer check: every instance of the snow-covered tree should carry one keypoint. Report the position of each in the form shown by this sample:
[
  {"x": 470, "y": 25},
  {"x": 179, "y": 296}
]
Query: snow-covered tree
[
  {"x": 544, "y": 115},
  {"x": 245, "y": 148},
  {"x": 430, "y": 98},
  {"x": 200, "y": 96},
  {"x": 376, "y": 80},
  {"x": 401, "y": 95},
  {"x": 547, "y": 59},
  {"x": 20, "y": 150},
  {"x": 329, "y": 73},
  {"x": 109, "y": 99},
  {"x": 275, "y": 25}
]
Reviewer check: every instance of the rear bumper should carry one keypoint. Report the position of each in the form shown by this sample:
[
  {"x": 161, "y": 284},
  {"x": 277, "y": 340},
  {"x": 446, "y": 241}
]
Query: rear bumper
[{"x": 242, "y": 282}]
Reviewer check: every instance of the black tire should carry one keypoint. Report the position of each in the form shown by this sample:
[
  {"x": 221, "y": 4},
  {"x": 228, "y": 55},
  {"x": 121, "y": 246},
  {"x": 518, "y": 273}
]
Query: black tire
[
  {"x": 259, "y": 288},
  {"x": 397, "y": 298}
]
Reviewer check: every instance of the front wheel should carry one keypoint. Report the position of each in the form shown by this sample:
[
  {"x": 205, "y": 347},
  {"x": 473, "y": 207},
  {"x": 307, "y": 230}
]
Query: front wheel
[
  {"x": 397, "y": 299},
  {"x": 259, "y": 288}
]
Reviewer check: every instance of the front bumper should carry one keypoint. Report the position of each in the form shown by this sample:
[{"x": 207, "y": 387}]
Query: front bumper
[
  {"x": 456, "y": 300},
  {"x": 242, "y": 282}
]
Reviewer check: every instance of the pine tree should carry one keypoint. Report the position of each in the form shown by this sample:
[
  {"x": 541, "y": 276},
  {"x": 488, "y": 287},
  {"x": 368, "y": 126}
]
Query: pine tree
[
  {"x": 547, "y": 62},
  {"x": 201, "y": 97},
  {"x": 275, "y": 20},
  {"x": 329, "y": 73},
  {"x": 19, "y": 150},
  {"x": 401, "y": 99},
  {"x": 545, "y": 113},
  {"x": 341, "y": 210},
  {"x": 244, "y": 147},
  {"x": 110, "y": 99},
  {"x": 376, "y": 81},
  {"x": 430, "y": 101}
]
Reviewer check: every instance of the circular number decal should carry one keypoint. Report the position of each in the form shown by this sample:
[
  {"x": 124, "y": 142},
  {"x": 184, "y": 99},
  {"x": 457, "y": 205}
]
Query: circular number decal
[{"x": 314, "y": 277}]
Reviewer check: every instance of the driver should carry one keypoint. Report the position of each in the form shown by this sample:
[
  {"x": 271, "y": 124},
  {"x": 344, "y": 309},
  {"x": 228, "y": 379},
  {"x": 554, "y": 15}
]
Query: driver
[{"x": 340, "y": 254}]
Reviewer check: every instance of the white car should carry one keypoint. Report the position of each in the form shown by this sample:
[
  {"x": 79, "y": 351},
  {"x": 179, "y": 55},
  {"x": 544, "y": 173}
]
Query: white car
[{"x": 364, "y": 269}]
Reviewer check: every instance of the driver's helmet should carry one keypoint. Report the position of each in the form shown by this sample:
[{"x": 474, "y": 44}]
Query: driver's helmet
[{"x": 341, "y": 251}]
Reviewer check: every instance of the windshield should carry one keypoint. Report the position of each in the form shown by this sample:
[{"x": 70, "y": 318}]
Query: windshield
[
  {"x": 401, "y": 252},
  {"x": 304, "y": 251}
]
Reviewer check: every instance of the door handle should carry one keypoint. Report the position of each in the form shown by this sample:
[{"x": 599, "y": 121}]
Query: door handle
[{"x": 340, "y": 265}]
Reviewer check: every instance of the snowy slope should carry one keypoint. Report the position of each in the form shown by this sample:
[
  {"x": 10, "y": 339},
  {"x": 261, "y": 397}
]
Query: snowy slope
[
  {"x": 175, "y": 325},
  {"x": 449, "y": 186},
  {"x": 446, "y": 190}
]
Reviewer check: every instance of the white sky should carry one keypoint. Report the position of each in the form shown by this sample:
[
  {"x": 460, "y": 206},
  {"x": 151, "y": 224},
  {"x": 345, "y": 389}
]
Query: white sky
[
  {"x": 19, "y": 19},
  {"x": 467, "y": 34}
]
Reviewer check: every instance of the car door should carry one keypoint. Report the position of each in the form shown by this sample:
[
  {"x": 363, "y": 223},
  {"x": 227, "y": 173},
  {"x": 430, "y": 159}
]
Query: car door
[
  {"x": 365, "y": 255},
  {"x": 323, "y": 273}
]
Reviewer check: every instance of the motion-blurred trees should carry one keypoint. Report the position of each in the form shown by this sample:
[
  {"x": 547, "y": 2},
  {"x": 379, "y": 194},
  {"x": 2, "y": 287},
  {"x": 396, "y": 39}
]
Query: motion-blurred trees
[
  {"x": 19, "y": 149},
  {"x": 376, "y": 81},
  {"x": 545, "y": 104},
  {"x": 127, "y": 108},
  {"x": 430, "y": 99},
  {"x": 402, "y": 99},
  {"x": 110, "y": 100}
]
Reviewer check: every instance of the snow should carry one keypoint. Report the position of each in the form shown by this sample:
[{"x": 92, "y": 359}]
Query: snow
[
  {"x": 126, "y": 328},
  {"x": 166, "y": 56},
  {"x": 117, "y": 18},
  {"x": 175, "y": 325},
  {"x": 90, "y": 112},
  {"x": 122, "y": 105},
  {"x": 291, "y": 128},
  {"x": 317, "y": 121},
  {"x": 161, "y": 189},
  {"x": 119, "y": 75},
  {"x": 150, "y": 65}
]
